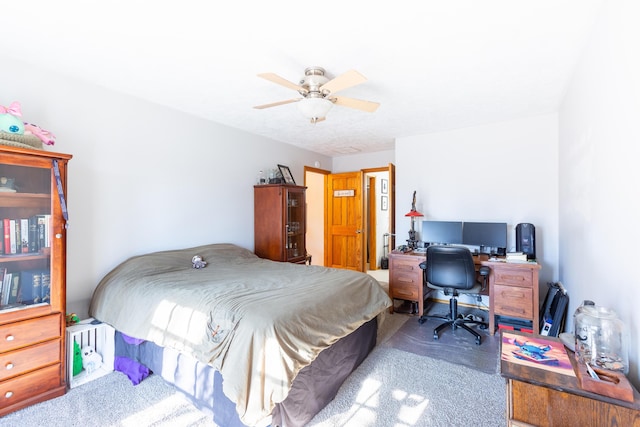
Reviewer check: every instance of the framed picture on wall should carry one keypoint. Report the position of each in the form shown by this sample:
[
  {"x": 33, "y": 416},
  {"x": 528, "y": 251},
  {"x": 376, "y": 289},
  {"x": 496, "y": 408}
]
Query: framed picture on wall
[
  {"x": 286, "y": 174},
  {"x": 384, "y": 203},
  {"x": 384, "y": 183}
]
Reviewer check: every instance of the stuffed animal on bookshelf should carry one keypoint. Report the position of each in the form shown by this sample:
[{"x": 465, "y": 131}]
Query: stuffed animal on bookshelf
[
  {"x": 10, "y": 121},
  {"x": 90, "y": 359},
  {"x": 198, "y": 262},
  {"x": 45, "y": 136},
  {"x": 77, "y": 358}
]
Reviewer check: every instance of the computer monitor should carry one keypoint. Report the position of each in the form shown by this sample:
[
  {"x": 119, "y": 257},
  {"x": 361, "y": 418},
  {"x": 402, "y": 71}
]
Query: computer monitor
[
  {"x": 443, "y": 232},
  {"x": 488, "y": 234}
]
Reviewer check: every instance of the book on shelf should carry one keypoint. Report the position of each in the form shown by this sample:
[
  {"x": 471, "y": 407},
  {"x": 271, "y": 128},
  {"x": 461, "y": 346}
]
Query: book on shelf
[
  {"x": 12, "y": 236},
  {"x": 6, "y": 230},
  {"x": 45, "y": 287},
  {"x": 34, "y": 287},
  {"x": 27, "y": 291},
  {"x": 33, "y": 233},
  {"x": 15, "y": 289},
  {"x": 44, "y": 222},
  {"x": 3, "y": 271},
  {"x": 24, "y": 235},
  {"x": 6, "y": 287}
]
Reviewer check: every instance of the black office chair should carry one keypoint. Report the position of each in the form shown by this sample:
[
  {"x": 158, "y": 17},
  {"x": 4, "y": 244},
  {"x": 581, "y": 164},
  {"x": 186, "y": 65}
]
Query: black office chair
[{"x": 451, "y": 270}]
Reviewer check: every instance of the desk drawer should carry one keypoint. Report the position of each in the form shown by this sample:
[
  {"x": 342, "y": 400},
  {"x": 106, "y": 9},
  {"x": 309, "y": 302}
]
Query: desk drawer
[
  {"x": 405, "y": 291},
  {"x": 28, "y": 332},
  {"x": 406, "y": 266},
  {"x": 513, "y": 277},
  {"x": 28, "y": 359},
  {"x": 406, "y": 282},
  {"x": 513, "y": 301}
]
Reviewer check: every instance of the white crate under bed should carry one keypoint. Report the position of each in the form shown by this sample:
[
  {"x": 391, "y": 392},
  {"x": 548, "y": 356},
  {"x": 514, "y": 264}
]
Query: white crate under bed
[{"x": 100, "y": 337}]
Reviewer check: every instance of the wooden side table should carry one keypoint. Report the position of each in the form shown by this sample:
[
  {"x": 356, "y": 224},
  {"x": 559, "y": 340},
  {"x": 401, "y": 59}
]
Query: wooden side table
[{"x": 538, "y": 397}]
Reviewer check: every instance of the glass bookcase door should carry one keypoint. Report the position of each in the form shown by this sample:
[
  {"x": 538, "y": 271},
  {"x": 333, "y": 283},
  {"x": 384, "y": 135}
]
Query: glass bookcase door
[
  {"x": 295, "y": 225},
  {"x": 25, "y": 247}
]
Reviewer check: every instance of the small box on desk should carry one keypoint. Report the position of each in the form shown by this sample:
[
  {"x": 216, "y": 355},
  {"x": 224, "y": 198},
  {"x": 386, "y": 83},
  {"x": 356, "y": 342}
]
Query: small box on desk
[
  {"x": 611, "y": 383},
  {"x": 513, "y": 324},
  {"x": 98, "y": 336}
]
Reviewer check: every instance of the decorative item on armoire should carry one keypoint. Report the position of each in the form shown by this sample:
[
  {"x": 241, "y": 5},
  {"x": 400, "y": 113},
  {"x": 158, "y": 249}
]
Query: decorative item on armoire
[
  {"x": 17, "y": 133},
  {"x": 286, "y": 174}
]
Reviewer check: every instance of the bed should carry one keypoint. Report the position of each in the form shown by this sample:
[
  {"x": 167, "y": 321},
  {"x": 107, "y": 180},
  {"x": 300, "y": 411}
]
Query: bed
[{"x": 272, "y": 340}]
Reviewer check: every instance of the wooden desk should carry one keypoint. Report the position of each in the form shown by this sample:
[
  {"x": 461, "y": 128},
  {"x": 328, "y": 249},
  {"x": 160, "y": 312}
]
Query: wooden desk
[
  {"x": 406, "y": 277},
  {"x": 537, "y": 397},
  {"x": 514, "y": 292}
]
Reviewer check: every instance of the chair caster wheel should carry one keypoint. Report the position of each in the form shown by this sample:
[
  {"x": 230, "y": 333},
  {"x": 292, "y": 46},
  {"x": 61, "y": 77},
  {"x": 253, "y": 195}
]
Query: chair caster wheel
[
  {"x": 435, "y": 336},
  {"x": 483, "y": 326},
  {"x": 421, "y": 321},
  {"x": 478, "y": 341}
]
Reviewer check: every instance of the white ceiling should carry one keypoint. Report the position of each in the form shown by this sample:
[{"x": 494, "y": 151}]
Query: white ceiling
[{"x": 433, "y": 65}]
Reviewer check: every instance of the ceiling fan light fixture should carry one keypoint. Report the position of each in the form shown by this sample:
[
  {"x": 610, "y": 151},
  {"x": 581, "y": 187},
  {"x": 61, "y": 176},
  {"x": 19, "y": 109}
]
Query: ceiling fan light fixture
[{"x": 314, "y": 108}]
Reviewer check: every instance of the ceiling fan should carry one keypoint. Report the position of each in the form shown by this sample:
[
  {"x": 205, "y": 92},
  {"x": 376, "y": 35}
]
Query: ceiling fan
[{"x": 318, "y": 91}]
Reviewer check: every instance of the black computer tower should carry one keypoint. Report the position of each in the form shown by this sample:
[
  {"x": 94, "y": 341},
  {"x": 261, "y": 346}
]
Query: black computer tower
[{"x": 526, "y": 239}]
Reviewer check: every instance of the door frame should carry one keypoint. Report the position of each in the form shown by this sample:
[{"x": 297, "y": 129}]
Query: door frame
[{"x": 318, "y": 259}]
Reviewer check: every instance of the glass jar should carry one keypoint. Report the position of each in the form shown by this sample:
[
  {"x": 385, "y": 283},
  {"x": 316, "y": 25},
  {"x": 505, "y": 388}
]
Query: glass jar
[
  {"x": 601, "y": 338},
  {"x": 580, "y": 309}
]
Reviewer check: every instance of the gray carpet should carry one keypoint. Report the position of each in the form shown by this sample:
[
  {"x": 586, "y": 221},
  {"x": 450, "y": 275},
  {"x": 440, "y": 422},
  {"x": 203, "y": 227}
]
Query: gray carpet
[
  {"x": 397, "y": 388},
  {"x": 458, "y": 347},
  {"x": 392, "y": 387}
]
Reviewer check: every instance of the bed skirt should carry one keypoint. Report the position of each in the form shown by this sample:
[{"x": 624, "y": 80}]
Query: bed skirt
[{"x": 313, "y": 388}]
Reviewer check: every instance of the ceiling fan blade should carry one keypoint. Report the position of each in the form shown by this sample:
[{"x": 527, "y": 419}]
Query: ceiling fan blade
[
  {"x": 343, "y": 81},
  {"x": 358, "y": 104},
  {"x": 282, "y": 81},
  {"x": 275, "y": 104}
]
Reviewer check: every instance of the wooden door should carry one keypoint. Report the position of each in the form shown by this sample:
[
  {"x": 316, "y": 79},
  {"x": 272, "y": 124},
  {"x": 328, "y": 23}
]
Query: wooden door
[{"x": 345, "y": 222}]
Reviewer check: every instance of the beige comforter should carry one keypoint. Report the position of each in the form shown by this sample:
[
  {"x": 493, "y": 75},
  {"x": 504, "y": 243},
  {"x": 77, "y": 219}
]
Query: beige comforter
[{"x": 257, "y": 321}]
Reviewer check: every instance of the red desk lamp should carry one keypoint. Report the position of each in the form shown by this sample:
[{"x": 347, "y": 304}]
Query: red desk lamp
[{"x": 413, "y": 214}]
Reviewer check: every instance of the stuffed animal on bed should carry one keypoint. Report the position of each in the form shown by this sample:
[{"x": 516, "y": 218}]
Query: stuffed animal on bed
[
  {"x": 90, "y": 359},
  {"x": 198, "y": 262}
]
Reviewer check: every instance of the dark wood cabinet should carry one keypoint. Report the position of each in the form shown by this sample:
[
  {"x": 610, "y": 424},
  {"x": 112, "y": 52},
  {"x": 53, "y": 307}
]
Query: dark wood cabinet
[
  {"x": 280, "y": 222},
  {"x": 33, "y": 301}
]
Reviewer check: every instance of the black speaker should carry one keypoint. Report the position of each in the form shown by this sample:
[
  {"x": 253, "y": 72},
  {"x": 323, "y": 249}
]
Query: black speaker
[{"x": 526, "y": 239}]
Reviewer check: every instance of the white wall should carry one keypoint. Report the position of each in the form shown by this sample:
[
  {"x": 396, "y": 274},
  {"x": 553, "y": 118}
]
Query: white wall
[
  {"x": 503, "y": 172},
  {"x": 356, "y": 162},
  {"x": 143, "y": 177},
  {"x": 599, "y": 173}
]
